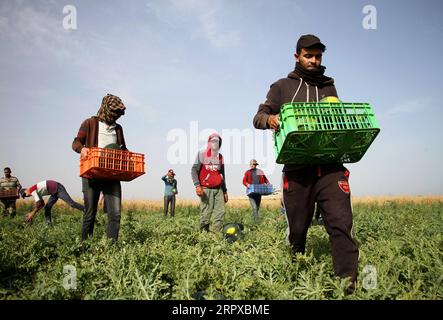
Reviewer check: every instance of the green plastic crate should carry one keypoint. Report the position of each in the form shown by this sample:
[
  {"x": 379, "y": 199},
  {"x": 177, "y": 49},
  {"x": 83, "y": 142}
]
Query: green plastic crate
[{"x": 319, "y": 133}]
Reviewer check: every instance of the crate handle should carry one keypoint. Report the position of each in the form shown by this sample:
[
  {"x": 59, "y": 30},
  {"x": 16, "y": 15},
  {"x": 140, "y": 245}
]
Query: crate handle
[
  {"x": 280, "y": 123},
  {"x": 88, "y": 155}
]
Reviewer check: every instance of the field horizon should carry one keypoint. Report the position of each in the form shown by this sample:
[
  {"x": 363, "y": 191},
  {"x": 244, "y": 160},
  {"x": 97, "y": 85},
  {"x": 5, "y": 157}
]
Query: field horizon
[{"x": 270, "y": 202}]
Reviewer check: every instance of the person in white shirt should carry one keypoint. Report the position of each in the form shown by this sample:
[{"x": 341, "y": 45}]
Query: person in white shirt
[
  {"x": 50, "y": 188},
  {"x": 101, "y": 131}
]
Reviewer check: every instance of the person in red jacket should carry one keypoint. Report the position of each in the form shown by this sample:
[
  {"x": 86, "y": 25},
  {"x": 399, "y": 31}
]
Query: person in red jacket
[
  {"x": 254, "y": 176},
  {"x": 208, "y": 176}
]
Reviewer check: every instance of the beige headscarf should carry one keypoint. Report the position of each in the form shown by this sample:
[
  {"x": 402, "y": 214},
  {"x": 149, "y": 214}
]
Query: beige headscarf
[{"x": 111, "y": 109}]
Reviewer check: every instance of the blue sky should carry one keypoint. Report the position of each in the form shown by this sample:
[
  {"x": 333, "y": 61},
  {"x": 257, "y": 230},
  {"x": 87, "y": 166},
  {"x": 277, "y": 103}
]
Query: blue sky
[{"x": 185, "y": 66}]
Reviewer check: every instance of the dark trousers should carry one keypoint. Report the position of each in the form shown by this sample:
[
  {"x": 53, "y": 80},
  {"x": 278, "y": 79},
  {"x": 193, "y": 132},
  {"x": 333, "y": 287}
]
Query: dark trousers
[
  {"x": 61, "y": 194},
  {"x": 255, "y": 200},
  {"x": 169, "y": 200},
  {"x": 112, "y": 194},
  {"x": 329, "y": 188},
  {"x": 8, "y": 206}
]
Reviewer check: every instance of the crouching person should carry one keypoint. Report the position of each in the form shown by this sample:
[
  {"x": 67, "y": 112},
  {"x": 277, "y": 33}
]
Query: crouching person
[
  {"x": 208, "y": 176},
  {"x": 44, "y": 188},
  {"x": 101, "y": 131}
]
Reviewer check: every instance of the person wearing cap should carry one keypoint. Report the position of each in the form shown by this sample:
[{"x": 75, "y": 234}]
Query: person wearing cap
[
  {"x": 254, "y": 176},
  {"x": 303, "y": 185},
  {"x": 170, "y": 192},
  {"x": 50, "y": 188},
  {"x": 101, "y": 131},
  {"x": 208, "y": 176},
  {"x": 9, "y": 182}
]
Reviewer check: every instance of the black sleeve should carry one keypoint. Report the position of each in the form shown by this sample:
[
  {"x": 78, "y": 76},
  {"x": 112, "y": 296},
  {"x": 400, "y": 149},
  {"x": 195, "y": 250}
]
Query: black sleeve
[
  {"x": 222, "y": 171},
  {"x": 270, "y": 107}
]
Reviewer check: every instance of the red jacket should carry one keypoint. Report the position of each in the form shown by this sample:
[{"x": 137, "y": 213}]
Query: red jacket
[
  {"x": 247, "y": 179},
  {"x": 208, "y": 173}
]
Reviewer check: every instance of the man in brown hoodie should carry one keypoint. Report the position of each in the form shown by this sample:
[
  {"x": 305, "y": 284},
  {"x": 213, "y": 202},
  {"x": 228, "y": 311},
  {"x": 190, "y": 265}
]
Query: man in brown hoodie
[
  {"x": 100, "y": 131},
  {"x": 303, "y": 185}
]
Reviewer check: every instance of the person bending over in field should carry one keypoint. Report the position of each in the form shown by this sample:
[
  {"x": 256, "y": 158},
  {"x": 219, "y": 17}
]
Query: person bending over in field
[
  {"x": 101, "y": 131},
  {"x": 50, "y": 188},
  {"x": 208, "y": 176},
  {"x": 306, "y": 184}
]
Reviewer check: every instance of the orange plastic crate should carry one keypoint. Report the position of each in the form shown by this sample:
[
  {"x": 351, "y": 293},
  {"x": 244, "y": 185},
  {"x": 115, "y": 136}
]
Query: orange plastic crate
[
  {"x": 10, "y": 194},
  {"x": 111, "y": 164}
]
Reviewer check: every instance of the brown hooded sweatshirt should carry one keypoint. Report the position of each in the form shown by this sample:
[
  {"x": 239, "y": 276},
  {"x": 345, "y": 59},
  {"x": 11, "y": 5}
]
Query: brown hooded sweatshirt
[{"x": 286, "y": 90}]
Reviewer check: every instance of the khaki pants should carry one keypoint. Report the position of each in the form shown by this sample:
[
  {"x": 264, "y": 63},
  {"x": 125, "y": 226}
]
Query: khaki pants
[
  {"x": 212, "y": 201},
  {"x": 8, "y": 206}
]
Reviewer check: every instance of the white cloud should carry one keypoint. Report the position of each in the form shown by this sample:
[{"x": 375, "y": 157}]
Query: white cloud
[
  {"x": 215, "y": 32},
  {"x": 411, "y": 106},
  {"x": 156, "y": 9},
  {"x": 30, "y": 29},
  {"x": 203, "y": 19},
  {"x": 36, "y": 32}
]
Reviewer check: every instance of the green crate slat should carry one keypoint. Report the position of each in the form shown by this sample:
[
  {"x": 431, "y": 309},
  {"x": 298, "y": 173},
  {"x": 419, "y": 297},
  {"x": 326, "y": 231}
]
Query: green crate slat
[{"x": 319, "y": 133}]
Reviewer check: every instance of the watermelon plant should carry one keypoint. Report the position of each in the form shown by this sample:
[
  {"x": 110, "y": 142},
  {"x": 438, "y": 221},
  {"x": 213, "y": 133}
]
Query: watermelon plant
[{"x": 401, "y": 256}]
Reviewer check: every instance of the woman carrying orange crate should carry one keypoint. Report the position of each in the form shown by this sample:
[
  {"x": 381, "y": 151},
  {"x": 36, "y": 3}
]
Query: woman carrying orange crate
[{"x": 100, "y": 131}]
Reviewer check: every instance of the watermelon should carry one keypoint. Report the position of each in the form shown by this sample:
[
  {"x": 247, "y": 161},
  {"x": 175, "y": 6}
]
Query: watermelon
[
  {"x": 114, "y": 146},
  {"x": 233, "y": 231},
  {"x": 330, "y": 99}
]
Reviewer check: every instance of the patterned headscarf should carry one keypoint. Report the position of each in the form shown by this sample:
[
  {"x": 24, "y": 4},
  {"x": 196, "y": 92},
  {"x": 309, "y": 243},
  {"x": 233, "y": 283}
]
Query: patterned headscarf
[{"x": 111, "y": 109}]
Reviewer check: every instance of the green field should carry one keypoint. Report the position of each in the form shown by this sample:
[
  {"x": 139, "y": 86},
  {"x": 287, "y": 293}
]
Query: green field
[{"x": 171, "y": 259}]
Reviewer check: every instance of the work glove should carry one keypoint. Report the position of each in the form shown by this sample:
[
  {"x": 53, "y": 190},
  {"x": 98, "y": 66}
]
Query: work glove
[{"x": 199, "y": 191}]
